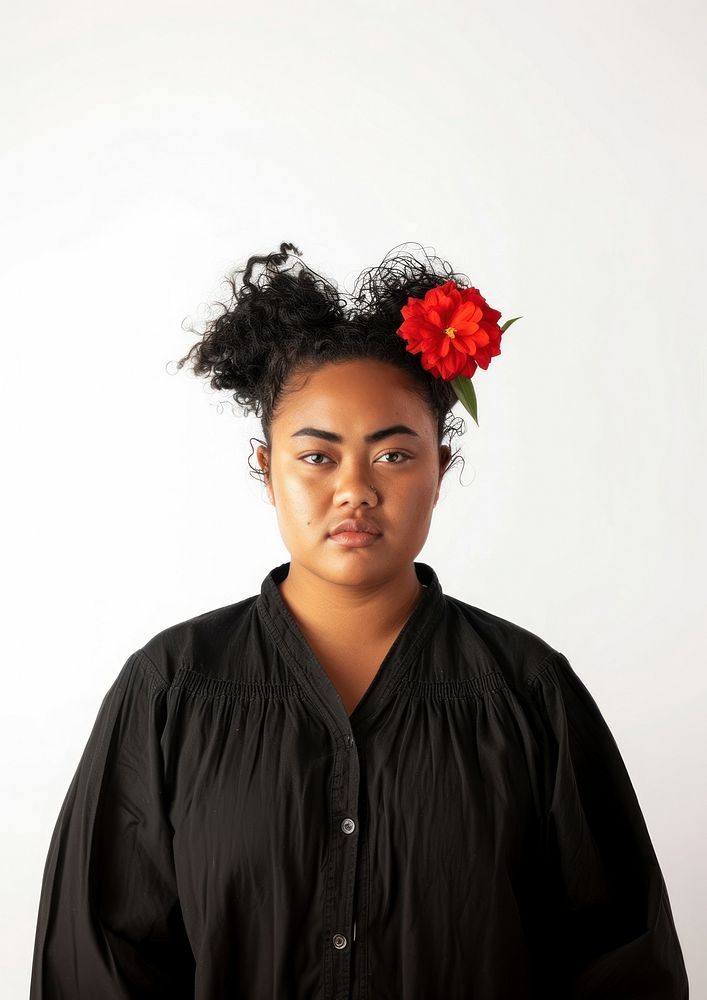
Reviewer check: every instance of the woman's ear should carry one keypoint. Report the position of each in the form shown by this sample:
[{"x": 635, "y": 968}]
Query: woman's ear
[
  {"x": 445, "y": 454},
  {"x": 264, "y": 462}
]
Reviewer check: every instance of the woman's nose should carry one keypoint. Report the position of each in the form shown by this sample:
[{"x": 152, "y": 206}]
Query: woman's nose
[{"x": 354, "y": 485}]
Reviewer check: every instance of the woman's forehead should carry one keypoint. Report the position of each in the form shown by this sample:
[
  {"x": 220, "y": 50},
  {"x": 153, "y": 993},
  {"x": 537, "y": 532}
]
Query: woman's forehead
[{"x": 380, "y": 387}]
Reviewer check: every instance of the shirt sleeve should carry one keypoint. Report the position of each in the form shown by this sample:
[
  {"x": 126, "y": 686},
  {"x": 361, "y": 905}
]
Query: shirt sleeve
[
  {"x": 109, "y": 922},
  {"x": 611, "y": 929}
]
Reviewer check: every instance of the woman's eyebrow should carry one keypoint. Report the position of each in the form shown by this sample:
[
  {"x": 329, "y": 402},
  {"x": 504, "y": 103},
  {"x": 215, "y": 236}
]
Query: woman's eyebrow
[{"x": 368, "y": 438}]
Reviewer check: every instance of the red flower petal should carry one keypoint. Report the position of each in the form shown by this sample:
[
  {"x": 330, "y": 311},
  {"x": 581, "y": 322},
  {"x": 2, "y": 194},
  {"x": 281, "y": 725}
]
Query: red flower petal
[{"x": 453, "y": 329}]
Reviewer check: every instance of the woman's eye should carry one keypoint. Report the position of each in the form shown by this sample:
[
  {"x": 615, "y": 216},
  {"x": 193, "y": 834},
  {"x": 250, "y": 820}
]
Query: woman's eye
[
  {"x": 404, "y": 457},
  {"x": 315, "y": 454}
]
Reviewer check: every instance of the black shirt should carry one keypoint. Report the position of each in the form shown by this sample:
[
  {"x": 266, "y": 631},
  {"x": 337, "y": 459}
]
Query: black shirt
[{"x": 470, "y": 831}]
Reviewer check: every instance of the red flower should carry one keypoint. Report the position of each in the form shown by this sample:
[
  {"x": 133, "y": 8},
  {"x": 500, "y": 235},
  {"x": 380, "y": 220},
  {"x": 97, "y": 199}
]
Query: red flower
[{"x": 454, "y": 330}]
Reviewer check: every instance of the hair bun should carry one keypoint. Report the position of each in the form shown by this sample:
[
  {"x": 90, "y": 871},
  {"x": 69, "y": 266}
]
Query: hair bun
[{"x": 268, "y": 318}]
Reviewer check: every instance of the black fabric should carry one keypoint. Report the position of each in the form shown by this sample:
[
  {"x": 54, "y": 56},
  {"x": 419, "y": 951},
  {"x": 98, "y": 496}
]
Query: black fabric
[{"x": 497, "y": 850}]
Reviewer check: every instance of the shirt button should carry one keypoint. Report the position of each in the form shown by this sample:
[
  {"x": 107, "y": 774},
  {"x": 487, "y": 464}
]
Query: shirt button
[
  {"x": 339, "y": 941},
  {"x": 348, "y": 825}
]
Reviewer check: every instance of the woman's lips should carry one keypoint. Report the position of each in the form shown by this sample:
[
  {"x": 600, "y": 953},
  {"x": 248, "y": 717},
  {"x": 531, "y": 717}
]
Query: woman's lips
[{"x": 354, "y": 539}]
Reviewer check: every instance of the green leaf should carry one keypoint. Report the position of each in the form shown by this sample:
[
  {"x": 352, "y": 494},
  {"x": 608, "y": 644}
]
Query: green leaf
[
  {"x": 508, "y": 323},
  {"x": 466, "y": 394}
]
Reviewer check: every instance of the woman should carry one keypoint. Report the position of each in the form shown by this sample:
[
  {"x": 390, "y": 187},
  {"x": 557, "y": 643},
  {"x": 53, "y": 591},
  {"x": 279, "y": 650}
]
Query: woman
[{"x": 350, "y": 784}]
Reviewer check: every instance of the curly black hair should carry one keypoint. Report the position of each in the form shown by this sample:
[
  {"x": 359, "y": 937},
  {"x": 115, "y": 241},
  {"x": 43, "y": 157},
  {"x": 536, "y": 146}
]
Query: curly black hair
[{"x": 290, "y": 321}]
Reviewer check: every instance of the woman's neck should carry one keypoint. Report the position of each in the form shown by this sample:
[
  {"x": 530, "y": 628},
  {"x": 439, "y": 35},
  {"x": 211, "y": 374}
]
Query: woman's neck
[{"x": 349, "y": 613}]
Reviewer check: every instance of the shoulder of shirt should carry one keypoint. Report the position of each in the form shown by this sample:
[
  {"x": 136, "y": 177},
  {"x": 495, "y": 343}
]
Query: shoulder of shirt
[
  {"x": 499, "y": 645},
  {"x": 215, "y": 637},
  {"x": 200, "y": 642}
]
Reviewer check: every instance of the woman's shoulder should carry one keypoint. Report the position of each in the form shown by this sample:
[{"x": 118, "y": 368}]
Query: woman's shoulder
[
  {"x": 201, "y": 642},
  {"x": 499, "y": 644}
]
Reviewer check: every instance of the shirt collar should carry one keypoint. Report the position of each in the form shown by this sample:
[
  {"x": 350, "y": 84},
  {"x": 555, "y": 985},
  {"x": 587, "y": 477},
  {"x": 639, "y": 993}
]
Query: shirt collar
[
  {"x": 270, "y": 598},
  {"x": 284, "y": 630}
]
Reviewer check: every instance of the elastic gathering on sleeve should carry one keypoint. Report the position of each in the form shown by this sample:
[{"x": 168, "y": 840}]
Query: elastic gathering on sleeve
[
  {"x": 109, "y": 924},
  {"x": 611, "y": 922}
]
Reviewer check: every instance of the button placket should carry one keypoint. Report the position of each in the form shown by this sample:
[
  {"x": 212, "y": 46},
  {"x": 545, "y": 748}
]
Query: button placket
[{"x": 344, "y": 867}]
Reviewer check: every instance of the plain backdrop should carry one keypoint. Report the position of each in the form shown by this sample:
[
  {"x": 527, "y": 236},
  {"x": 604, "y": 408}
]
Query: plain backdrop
[{"x": 553, "y": 152}]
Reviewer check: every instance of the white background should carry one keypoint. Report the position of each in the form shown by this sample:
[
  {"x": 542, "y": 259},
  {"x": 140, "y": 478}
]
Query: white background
[{"x": 554, "y": 152}]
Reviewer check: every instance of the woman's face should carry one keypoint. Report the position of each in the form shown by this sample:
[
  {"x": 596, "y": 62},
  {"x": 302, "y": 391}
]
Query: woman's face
[{"x": 314, "y": 483}]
